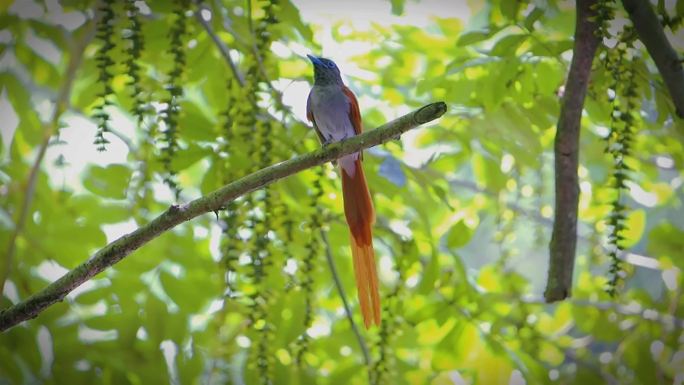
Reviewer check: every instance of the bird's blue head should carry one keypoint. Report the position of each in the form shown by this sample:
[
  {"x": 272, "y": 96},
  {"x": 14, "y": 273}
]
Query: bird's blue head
[{"x": 325, "y": 71}]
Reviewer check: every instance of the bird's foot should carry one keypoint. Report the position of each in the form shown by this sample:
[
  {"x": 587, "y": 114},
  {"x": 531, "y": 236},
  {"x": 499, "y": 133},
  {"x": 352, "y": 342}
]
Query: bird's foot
[{"x": 327, "y": 142}]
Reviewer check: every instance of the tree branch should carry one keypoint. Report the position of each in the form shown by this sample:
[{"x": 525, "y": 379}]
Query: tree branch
[
  {"x": 665, "y": 319},
  {"x": 665, "y": 57},
  {"x": 225, "y": 53},
  {"x": 50, "y": 128},
  {"x": 566, "y": 150},
  {"x": 222, "y": 47},
  {"x": 175, "y": 215}
]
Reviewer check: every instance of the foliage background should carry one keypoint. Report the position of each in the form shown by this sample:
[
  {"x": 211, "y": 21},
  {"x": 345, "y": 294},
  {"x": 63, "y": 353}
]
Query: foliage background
[{"x": 464, "y": 206}]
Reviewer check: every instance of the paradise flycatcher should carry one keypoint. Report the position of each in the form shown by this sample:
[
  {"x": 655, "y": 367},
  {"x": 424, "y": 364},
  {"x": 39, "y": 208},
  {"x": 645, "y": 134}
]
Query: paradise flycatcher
[{"x": 334, "y": 112}]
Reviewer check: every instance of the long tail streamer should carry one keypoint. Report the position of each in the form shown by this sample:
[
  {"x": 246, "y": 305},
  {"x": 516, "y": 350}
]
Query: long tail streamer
[{"x": 358, "y": 209}]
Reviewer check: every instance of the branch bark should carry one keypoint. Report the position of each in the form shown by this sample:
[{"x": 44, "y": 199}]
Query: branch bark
[
  {"x": 651, "y": 33},
  {"x": 175, "y": 215},
  {"x": 566, "y": 151}
]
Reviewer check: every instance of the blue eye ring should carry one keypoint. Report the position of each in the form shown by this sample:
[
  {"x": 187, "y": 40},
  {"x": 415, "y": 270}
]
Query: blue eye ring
[{"x": 323, "y": 63}]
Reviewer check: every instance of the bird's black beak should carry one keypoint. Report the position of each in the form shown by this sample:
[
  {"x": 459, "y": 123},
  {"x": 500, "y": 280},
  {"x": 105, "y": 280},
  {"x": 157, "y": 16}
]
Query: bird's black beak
[{"x": 316, "y": 61}]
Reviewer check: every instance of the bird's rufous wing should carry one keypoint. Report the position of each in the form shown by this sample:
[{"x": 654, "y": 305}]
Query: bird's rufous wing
[{"x": 354, "y": 113}]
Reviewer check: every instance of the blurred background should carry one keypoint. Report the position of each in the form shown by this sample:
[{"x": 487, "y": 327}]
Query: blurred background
[{"x": 112, "y": 111}]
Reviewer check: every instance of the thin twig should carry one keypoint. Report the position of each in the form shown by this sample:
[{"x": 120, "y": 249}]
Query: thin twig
[
  {"x": 347, "y": 308},
  {"x": 260, "y": 64},
  {"x": 591, "y": 364},
  {"x": 248, "y": 5},
  {"x": 123, "y": 138},
  {"x": 665, "y": 319},
  {"x": 639, "y": 260},
  {"x": 570, "y": 353},
  {"x": 177, "y": 214},
  {"x": 222, "y": 47},
  {"x": 52, "y": 127},
  {"x": 225, "y": 53}
]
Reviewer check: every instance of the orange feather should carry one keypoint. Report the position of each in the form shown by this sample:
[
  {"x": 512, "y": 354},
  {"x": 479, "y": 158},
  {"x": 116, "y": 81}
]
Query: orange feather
[
  {"x": 354, "y": 112},
  {"x": 360, "y": 215}
]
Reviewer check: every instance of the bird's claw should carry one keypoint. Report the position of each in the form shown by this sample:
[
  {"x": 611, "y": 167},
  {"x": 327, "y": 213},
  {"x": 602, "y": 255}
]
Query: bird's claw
[{"x": 327, "y": 142}]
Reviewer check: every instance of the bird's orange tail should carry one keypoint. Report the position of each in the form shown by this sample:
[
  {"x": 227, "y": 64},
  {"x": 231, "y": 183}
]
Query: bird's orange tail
[{"x": 360, "y": 214}]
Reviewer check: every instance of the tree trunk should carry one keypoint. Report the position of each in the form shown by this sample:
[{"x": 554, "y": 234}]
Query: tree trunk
[{"x": 566, "y": 149}]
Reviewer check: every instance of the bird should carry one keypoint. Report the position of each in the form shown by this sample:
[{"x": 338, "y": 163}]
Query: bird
[{"x": 334, "y": 112}]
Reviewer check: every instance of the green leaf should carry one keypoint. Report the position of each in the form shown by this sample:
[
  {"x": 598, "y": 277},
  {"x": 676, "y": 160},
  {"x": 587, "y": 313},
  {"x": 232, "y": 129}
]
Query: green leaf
[
  {"x": 397, "y": 7},
  {"x": 666, "y": 240},
  {"x": 195, "y": 125},
  {"x": 191, "y": 292},
  {"x": 109, "y": 182},
  {"x": 5, "y": 5},
  {"x": 73, "y": 253},
  {"x": 459, "y": 65},
  {"x": 509, "y": 9},
  {"x": 190, "y": 365},
  {"x": 91, "y": 297},
  {"x": 155, "y": 318},
  {"x": 532, "y": 17},
  {"x": 588, "y": 318},
  {"x": 442, "y": 314},
  {"x": 42, "y": 72},
  {"x": 96, "y": 211},
  {"x": 109, "y": 321},
  {"x": 289, "y": 15},
  {"x": 29, "y": 126},
  {"x": 430, "y": 275},
  {"x": 215, "y": 176},
  {"x": 635, "y": 224},
  {"x": 8, "y": 367},
  {"x": 52, "y": 33},
  {"x": 471, "y": 37},
  {"x": 551, "y": 48},
  {"x": 458, "y": 235},
  {"x": 488, "y": 173},
  {"x": 186, "y": 157},
  {"x": 507, "y": 45},
  {"x": 441, "y": 193},
  {"x": 639, "y": 356}
]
